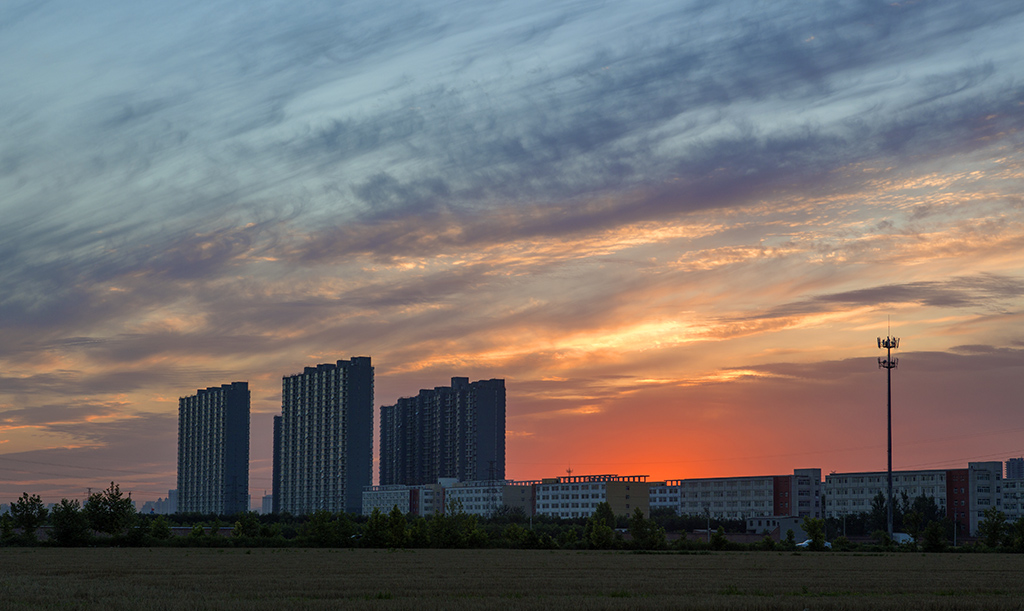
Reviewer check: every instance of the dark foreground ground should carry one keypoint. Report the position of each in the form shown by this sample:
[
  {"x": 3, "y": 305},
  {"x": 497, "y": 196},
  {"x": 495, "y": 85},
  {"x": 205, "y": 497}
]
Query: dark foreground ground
[{"x": 176, "y": 578}]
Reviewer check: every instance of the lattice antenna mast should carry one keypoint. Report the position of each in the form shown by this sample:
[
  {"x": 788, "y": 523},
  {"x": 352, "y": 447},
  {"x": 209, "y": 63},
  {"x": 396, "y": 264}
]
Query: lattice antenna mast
[{"x": 889, "y": 363}]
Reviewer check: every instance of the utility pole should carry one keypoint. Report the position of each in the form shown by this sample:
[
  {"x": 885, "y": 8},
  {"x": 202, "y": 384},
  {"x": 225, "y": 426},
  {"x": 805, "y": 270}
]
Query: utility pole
[
  {"x": 707, "y": 510},
  {"x": 889, "y": 363}
]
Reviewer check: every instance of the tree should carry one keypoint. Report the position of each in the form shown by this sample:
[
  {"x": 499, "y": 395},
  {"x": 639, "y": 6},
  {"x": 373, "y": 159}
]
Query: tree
[
  {"x": 882, "y": 538},
  {"x": 456, "y": 528},
  {"x": 934, "y": 537},
  {"x": 326, "y": 529},
  {"x": 1016, "y": 535},
  {"x": 920, "y": 514},
  {"x": 514, "y": 534},
  {"x": 879, "y": 519},
  {"x": 375, "y": 531},
  {"x": 913, "y": 522},
  {"x": 599, "y": 532},
  {"x": 841, "y": 544},
  {"x": 110, "y": 512},
  {"x": 992, "y": 529},
  {"x": 603, "y": 514},
  {"x": 647, "y": 534},
  {"x": 398, "y": 528},
  {"x": 507, "y": 513},
  {"x": 6, "y": 529},
  {"x": 419, "y": 534},
  {"x": 247, "y": 525},
  {"x": 568, "y": 538},
  {"x": 900, "y": 508},
  {"x": 927, "y": 508},
  {"x": 789, "y": 542},
  {"x": 718, "y": 539},
  {"x": 815, "y": 529},
  {"x": 601, "y": 537},
  {"x": 70, "y": 525},
  {"x": 28, "y": 513}
]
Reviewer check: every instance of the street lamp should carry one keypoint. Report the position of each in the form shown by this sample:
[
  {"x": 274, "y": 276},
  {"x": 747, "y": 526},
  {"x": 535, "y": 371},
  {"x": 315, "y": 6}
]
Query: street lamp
[{"x": 889, "y": 363}]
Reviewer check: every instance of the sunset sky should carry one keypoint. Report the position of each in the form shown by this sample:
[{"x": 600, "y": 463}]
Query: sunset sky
[{"x": 675, "y": 229}]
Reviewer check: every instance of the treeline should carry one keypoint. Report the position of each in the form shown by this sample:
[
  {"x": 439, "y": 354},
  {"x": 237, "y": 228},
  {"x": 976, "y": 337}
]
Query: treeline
[{"x": 108, "y": 519}]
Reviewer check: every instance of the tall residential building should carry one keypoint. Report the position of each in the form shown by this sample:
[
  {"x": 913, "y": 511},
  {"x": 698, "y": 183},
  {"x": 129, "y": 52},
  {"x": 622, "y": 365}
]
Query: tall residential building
[
  {"x": 213, "y": 450},
  {"x": 455, "y": 431},
  {"x": 275, "y": 493},
  {"x": 324, "y": 445}
]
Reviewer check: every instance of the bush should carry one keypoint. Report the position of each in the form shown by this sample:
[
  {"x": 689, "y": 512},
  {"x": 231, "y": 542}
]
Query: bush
[
  {"x": 160, "y": 529},
  {"x": 718, "y": 540}
]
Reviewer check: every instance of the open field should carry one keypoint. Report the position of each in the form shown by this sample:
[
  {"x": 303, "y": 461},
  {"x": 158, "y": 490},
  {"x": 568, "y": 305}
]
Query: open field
[{"x": 176, "y": 578}]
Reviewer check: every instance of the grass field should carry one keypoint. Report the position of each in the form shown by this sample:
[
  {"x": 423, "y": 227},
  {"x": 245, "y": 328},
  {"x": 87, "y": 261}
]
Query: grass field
[{"x": 176, "y": 578}]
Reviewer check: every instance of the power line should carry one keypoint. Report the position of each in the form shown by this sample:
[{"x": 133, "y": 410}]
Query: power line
[{"x": 50, "y": 464}]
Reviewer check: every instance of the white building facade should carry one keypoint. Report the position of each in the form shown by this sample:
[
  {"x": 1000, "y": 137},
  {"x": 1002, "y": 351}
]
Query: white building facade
[
  {"x": 579, "y": 496},
  {"x": 853, "y": 493},
  {"x": 960, "y": 494}
]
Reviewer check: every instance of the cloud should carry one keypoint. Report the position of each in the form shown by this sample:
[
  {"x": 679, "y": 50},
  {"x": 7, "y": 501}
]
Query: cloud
[
  {"x": 57, "y": 414},
  {"x": 982, "y": 291},
  {"x": 631, "y": 200}
]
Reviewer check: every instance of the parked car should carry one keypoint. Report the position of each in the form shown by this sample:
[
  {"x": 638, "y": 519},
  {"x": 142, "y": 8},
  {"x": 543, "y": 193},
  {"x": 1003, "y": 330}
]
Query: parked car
[{"x": 901, "y": 538}]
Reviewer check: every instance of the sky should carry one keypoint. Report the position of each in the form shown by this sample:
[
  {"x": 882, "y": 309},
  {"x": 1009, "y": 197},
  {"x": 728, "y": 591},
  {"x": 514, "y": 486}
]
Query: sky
[{"x": 676, "y": 229}]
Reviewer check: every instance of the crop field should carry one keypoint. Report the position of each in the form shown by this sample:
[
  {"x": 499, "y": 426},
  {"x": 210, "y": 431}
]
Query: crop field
[{"x": 272, "y": 579}]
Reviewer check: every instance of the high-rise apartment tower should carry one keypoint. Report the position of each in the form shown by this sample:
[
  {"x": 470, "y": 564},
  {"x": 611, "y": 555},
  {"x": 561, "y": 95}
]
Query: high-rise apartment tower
[
  {"x": 324, "y": 443},
  {"x": 213, "y": 450},
  {"x": 447, "y": 432}
]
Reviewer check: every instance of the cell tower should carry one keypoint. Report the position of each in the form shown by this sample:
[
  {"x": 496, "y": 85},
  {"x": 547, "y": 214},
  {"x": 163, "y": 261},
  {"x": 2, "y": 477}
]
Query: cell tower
[{"x": 889, "y": 363}]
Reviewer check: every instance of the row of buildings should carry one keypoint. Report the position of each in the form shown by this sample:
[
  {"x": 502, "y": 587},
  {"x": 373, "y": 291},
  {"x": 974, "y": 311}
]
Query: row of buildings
[
  {"x": 763, "y": 502},
  {"x": 323, "y": 440},
  {"x": 447, "y": 445}
]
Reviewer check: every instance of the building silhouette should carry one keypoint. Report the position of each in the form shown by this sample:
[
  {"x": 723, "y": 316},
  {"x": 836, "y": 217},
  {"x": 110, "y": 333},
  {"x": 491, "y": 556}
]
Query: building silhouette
[
  {"x": 1015, "y": 468},
  {"x": 323, "y": 442},
  {"x": 213, "y": 450},
  {"x": 455, "y": 431}
]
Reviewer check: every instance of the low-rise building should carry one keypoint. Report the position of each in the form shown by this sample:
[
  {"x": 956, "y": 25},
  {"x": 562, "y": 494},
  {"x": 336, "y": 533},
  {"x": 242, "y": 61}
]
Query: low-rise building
[
  {"x": 415, "y": 500},
  {"x": 852, "y": 493},
  {"x": 577, "y": 496},
  {"x": 986, "y": 490},
  {"x": 1013, "y": 499},
  {"x": 481, "y": 498},
  {"x": 741, "y": 498},
  {"x": 962, "y": 495}
]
